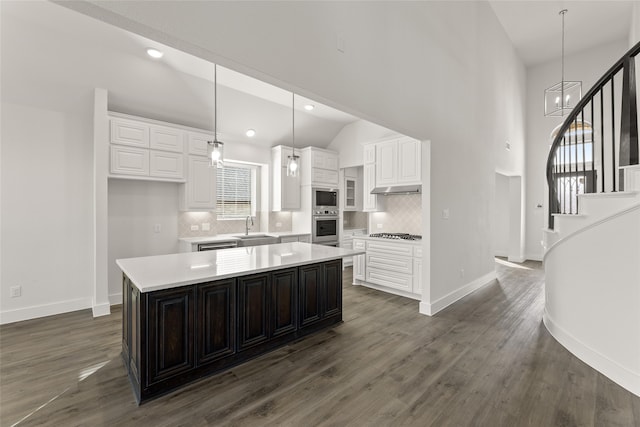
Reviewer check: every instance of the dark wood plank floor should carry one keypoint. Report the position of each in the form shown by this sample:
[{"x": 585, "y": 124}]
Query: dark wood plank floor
[{"x": 485, "y": 361}]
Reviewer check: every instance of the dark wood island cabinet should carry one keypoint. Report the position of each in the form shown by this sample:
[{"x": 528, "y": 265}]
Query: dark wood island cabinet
[{"x": 171, "y": 337}]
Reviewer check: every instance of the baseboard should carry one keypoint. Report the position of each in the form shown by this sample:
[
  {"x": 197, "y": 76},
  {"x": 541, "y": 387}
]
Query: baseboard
[
  {"x": 607, "y": 367},
  {"x": 534, "y": 257},
  {"x": 432, "y": 308},
  {"x": 36, "y": 311},
  {"x": 519, "y": 259},
  {"x": 115, "y": 299},
  {"x": 501, "y": 254},
  {"x": 103, "y": 309},
  {"x": 389, "y": 290}
]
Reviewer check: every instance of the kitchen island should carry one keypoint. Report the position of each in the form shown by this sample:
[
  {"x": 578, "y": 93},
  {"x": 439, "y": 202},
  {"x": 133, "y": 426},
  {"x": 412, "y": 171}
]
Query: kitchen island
[{"x": 189, "y": 315}]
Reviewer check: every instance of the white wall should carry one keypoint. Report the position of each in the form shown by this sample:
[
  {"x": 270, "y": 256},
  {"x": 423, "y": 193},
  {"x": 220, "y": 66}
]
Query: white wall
[
  {"x": 439, "y": 70},
  {"x": 349, "y": 141},
  {"x": 587, "y": 66},
  {"x": 46, "y": 210},
  {"x": 135, "y": 207},
  {"x": 634, "y": 33}
]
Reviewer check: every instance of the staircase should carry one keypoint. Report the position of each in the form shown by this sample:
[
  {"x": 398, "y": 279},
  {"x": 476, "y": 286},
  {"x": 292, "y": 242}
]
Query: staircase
[{"x": 592, "y": 244}]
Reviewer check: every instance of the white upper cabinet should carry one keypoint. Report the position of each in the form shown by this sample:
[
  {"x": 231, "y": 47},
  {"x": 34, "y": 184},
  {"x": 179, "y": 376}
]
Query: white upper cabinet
[
  {"x": 324, "y": 167},
  {"x": 370, "y": 202},
  {"x": 286, "y": 189},
  {"x": 199, "y": 192},
  {"x": 166, "y": 138},
  {"x": 198, "y": 143},
  {"x": 129, "y": 132},
  {"x": 163, "y": 164},
  {"x": 129, "y": 161},
  {"x": 398, "y": 162}
]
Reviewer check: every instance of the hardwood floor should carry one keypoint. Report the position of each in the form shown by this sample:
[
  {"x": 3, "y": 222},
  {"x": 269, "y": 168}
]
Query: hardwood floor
[{"x": 485, "y": 361}]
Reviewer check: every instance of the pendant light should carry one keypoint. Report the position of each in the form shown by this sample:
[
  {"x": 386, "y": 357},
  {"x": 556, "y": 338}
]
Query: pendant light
[
  {"x": 293, "y": 165},
  {"x": 215, "y": 147},
  {"x": 560, "y": 98}
]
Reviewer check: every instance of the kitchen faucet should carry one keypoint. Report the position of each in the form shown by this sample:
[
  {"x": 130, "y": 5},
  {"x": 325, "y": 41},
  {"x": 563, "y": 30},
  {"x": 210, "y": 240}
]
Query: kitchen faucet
[{"x": 246, "y": 223}]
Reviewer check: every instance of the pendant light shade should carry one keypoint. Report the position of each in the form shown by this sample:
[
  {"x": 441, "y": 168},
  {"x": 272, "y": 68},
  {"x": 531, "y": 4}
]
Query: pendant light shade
[
  {"x": 293, "y": 165},
  {"x": 562, "y": 97},
  {"x": 215, "y": 147}
]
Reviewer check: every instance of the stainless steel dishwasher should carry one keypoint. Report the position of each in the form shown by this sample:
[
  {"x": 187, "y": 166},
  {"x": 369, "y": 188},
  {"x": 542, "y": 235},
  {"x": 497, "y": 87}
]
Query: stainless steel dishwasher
[{"x": 212, "y": 246}]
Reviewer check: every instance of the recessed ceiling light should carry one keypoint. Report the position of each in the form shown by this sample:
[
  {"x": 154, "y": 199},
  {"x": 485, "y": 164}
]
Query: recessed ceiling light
[
  {"x": 154, "y": 53},
  {"x": 309, "y": 107},
  {"x": 250, "y": 133}
]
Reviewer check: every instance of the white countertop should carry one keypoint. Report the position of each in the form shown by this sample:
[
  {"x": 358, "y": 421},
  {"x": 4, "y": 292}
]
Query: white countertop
[
  {"x": 158, "y": 272},
  {"x": 383, "y": 240},
  {"x": 232, "y": 238}
]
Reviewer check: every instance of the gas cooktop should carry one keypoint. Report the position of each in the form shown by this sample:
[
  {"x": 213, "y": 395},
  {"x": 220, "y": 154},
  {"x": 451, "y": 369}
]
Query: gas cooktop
[{"x": 397, "y": 236}]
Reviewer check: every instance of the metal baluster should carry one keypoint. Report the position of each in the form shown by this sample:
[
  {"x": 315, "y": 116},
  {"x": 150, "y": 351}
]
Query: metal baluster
[
  {"x": 613, "y": 136},
  {"x": 593, "y": 151},
  {"x": 564, "y": 174},
  {"x": 584, "y": 165},
  {"x": 602, "y": 133}
]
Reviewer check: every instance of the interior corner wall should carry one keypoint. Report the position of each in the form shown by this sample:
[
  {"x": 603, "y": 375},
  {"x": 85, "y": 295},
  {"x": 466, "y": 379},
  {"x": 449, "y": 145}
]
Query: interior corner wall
[
  {"x": 442, "y": 71},
  {"x": 634, "y": 32},
  {"x": 349, "y": 141},
  {"x": 47, "y": 219},
  {"x": 588, "y": 67}
]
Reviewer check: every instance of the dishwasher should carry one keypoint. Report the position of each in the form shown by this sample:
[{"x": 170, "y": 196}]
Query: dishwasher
[{"x": 212, "y": 246}]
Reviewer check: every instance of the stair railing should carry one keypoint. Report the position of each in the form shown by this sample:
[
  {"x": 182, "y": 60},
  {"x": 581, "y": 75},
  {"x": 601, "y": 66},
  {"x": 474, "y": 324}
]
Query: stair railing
[{"x": 586, "y": 154}]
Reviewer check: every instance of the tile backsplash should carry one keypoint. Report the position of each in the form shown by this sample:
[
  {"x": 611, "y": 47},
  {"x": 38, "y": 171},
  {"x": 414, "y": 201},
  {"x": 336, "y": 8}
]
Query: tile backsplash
[
  {"x": 188, "y": 219},
  {"x": 403, "y": 214}
]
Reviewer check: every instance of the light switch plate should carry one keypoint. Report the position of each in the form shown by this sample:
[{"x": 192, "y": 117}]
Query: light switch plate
[{"x": 194, "y": 228}]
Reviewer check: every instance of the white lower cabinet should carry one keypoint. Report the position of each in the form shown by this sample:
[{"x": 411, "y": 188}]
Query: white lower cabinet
[
  {"x": 304, "y": 238},
  {"x": 392, "y": 266},
  {"x": 199, "y": 192},
  {"x": 359, "y": 261}
]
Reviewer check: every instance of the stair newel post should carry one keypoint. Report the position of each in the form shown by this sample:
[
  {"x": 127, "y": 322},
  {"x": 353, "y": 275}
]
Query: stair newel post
[{"x": 629, "y": 122}]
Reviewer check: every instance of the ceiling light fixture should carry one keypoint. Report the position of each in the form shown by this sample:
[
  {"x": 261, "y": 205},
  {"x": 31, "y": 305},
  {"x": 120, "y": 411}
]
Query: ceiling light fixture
[
  {"x": 215, "y": 147},
  {"x": 309, "y": 107},
  {"x": 154, "y": 53},
  {"x": 293, "y": 168},
  {"x": 560, "y": 98},
  {"x": 250, "y": 133}
]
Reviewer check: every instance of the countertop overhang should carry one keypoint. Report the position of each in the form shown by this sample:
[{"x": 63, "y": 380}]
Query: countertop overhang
[{"x": 159, "y": 272}]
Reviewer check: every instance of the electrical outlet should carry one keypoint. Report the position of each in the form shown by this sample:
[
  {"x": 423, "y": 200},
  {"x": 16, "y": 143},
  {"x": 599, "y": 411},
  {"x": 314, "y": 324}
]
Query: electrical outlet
[
  {"x": 461, "y": 272},
  {"x": 206, "y": 226},
  {"x": 157, "y": 228},
  {"x": 445, "y": 213},
  {"x": 16, "y": 291},
  {"x": 194, "y": 228},
  {"x": 379, "y": 226}
]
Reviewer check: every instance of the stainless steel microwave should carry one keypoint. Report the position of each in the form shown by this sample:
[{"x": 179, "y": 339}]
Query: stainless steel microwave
[{"x": 325, "y": 199}]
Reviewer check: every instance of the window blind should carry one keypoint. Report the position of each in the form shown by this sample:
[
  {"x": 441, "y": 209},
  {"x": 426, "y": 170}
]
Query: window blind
[{"x": 233, "y": 192}]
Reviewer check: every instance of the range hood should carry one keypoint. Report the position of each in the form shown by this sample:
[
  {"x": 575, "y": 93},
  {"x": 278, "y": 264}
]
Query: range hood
[{"x": 398, "y": 189}]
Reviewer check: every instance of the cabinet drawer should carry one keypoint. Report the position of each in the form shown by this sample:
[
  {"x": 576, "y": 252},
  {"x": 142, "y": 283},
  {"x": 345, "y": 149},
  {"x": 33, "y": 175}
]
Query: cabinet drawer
[
  {"x": 166, "y": 165},
  {"x": 288, "y": 239},
  {"x": 359, "y": 245},
  {"x": 129, "y": 161},
  {"x": 166, "y": 138},
  {"x": 390, "y": 248},
  {"x": 129, "y": 132},
  {"x": 385, "y": 278},
  {"x": 389, "y": 263},
  {"x": 305, "y": 238}
]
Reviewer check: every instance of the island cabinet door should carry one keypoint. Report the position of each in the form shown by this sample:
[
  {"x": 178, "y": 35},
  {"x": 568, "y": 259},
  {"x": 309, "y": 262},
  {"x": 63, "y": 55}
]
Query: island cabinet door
[
  {"x": 253, "y": 310},
  {"x": 170, "y": 333},
  {"x": 332, "y": 288},
  {"x": 284, "y": 301},
  {"x": 216, "y": 320},
  {"x": 311, "y": 293}
]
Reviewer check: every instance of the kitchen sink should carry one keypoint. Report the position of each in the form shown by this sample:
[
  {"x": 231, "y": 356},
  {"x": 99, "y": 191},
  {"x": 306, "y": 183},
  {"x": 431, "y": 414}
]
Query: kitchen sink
[{"x": 255, "y": 240}]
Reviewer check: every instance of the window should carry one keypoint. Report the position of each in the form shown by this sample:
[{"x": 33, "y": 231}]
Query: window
[{"x": 236, "y": 191}]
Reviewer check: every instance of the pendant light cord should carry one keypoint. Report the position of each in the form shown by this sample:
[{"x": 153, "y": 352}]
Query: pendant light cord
[
  {"x": 293, "y": 122},
  {"x": 215, "y": 102}
]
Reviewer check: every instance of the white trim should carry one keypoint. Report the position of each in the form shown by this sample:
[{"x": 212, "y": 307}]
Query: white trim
[
  {"x": 115, "y": 299},
  {"x": 533, "y": 257},
  {"x": 101, "y": 310},
  {"x": 389, "y": 290},
  {"x": 590, "y": 226},
  {"x": 607, "y": 367},
  {"x": 519, "y": 259},
  {"x": 432, "y": 308},
  {"x": 36, "y": 311}
]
